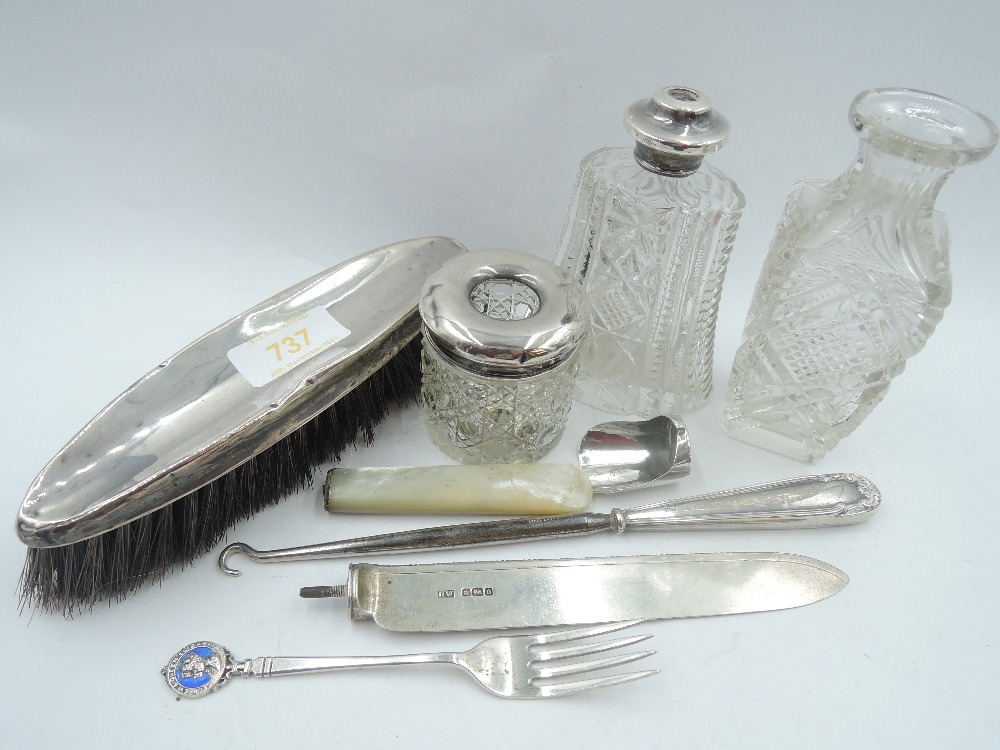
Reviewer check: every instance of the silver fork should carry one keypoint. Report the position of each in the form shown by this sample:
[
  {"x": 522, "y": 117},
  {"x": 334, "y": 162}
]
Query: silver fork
[{"x": 508, "y": 666}]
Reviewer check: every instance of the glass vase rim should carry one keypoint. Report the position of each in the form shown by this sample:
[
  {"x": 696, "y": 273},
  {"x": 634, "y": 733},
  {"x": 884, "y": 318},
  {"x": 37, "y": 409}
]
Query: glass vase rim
[{"x": 922, "y": 126}]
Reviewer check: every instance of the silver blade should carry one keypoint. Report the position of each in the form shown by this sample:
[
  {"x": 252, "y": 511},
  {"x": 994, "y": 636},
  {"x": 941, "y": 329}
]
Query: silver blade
[{"x": 537, "y": 593}]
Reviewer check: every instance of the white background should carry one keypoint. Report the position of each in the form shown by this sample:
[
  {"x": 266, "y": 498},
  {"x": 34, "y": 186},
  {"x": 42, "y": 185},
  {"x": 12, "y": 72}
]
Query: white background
[{"x": 165, "y": 166}]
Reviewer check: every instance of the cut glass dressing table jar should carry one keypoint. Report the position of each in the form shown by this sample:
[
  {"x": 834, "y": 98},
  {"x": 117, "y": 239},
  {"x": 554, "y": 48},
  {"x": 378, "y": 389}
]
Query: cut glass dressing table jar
[{"x": 500, "y": 354}]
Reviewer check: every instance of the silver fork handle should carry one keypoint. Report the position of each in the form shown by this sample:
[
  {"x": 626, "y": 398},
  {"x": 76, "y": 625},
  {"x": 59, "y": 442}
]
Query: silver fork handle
[{"x": 273, "y": 666}]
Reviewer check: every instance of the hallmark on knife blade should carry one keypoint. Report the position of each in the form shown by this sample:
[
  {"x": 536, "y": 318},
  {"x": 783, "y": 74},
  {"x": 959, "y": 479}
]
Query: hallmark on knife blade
[{"x": 477, "y": 591}]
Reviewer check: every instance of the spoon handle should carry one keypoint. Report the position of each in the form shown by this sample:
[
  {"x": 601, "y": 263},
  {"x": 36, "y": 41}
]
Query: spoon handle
[{"x": 821, "y": 500}]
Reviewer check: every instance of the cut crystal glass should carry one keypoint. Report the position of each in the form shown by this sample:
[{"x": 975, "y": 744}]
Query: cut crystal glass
[
  {"x": 504, "y": 299},
  {"x": 501, "y": 336},
  {"x": 651, "y": 251},
  {"x": 856, "y": 279},
  {"x": 479, "y": 419}
]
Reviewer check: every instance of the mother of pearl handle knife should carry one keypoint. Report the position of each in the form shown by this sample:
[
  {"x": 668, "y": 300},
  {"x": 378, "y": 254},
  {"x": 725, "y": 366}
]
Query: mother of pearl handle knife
[{"x": 820, "y": 500}]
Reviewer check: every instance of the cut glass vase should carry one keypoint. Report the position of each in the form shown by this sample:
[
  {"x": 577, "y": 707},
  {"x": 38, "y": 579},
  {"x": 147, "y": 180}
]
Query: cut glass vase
[{"x": 856, "y": 279}]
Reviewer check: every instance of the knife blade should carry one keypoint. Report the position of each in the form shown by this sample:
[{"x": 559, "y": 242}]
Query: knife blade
[{"x": 541, "y": 593}]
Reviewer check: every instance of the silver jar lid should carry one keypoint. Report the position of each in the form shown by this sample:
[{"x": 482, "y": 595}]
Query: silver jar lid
[
  {"x": 674, "y": 130},
  {"x": 503, "y": 313}
]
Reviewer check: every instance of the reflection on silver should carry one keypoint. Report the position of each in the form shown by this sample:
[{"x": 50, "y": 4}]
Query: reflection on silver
[
  {"x": 507, "y": 666},
  {"x": 492, "y": 342},
  {"x": 194, "y": 417},
  {"x": 613, "y": 456},
  {"x": 821, "y": 500},
  {"x": 621, "y": 455},
  {"x": 533, "y": 593}
]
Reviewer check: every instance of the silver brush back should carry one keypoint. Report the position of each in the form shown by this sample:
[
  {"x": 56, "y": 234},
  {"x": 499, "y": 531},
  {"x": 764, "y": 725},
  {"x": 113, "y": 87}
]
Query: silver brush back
[{"x": 221, "y": 401}]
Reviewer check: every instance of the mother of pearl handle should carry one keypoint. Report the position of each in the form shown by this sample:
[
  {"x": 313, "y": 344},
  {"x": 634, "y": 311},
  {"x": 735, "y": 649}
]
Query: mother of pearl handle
[{"x": 501, "y": 489}]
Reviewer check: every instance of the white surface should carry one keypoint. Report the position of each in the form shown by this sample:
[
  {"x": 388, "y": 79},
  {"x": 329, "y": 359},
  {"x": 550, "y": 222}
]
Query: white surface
[
  {"x": 263, "y": 358},
  {"x": 163, "y": 167}
]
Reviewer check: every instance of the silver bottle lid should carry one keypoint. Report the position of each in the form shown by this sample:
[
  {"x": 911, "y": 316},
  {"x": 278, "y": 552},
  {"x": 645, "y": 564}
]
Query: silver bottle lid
[
  {"x": 503, "y": 313},
  {"x": 674, "y": 130}
]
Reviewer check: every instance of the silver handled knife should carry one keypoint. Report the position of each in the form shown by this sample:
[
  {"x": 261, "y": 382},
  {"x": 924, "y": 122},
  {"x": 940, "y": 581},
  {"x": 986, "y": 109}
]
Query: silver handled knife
[
  {"x": 537, "y": 593},
  {"x": 820, "y": 500}
]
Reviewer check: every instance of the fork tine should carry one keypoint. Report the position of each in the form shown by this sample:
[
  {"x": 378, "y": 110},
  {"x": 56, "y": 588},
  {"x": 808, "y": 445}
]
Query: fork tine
[
  {"x": 580, "y": 667},
  {"x": 554, "y": 691},
  {"x": 586, "y": 649},
  {"x": 578, "y": 633}
]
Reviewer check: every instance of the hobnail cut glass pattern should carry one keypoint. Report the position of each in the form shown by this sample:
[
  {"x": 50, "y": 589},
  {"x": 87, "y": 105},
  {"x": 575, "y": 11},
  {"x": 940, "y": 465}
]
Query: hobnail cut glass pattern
[
  {"x": 504, "y": 299},
  {"x": 651, "y": 252},
  {"x": 477, "y": 419},
  {"x": 856, "y": 280}
]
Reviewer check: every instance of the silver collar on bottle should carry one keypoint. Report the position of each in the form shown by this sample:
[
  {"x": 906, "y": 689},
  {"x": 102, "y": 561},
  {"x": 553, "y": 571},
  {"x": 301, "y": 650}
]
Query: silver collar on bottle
[{"x": 674, "y": 130}]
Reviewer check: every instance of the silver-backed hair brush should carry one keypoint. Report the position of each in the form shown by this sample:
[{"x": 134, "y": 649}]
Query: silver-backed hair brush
[{"x": 225, "y": 427}]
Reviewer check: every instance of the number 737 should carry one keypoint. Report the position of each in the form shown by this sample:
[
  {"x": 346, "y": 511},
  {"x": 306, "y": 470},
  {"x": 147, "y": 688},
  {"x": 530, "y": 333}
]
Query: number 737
[{"x": 290, "y": 343}]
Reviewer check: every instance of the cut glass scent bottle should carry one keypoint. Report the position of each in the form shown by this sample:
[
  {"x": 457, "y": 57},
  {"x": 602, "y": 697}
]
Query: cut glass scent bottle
[{"x": 648, "y": 234}]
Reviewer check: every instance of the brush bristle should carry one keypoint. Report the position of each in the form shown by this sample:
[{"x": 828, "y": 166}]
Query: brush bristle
[{"x": 113, "y": 565}]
